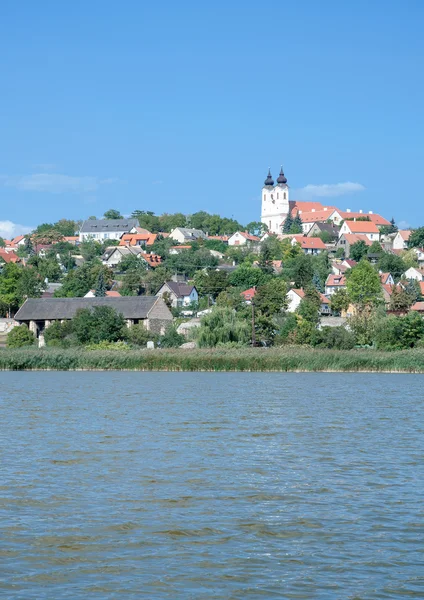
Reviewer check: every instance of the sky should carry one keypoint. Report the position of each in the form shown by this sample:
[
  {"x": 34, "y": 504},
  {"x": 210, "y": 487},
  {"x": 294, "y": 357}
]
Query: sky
[{"x": 182, "y": 106}]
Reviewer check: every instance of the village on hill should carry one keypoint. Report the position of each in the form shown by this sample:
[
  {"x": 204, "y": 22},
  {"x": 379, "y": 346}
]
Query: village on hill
[{"x": 305, "y": 273}]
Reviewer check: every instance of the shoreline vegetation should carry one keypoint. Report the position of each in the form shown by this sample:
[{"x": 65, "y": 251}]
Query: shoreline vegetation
[{"x": 287, "y": 359}]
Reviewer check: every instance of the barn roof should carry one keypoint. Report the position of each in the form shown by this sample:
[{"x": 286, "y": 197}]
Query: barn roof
[{"x": 51, "y": 309}]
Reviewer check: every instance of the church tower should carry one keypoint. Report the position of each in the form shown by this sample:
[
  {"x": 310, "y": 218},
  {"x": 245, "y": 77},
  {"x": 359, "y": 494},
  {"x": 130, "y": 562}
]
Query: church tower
[{"x": 275, "y": 202}]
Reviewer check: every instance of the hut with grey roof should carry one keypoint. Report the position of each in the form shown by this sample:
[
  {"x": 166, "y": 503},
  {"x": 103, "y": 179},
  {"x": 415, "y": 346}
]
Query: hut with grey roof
[{"x": 40, "y": 313}]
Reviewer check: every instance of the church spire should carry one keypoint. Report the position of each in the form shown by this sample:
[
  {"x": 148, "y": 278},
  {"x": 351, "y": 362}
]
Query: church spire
[
  {"x": 269, "y": 180},
  {"x": 282, "y": 179}
]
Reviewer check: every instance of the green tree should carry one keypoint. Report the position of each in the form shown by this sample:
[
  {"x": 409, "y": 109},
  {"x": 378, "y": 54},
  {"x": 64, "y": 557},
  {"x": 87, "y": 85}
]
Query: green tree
[
  {"x": 339, "y": 301},
  {"x": 211, "y": 283},
  {"x": 256, "y": 228},
  {"x": 375, "y": 248},
  {"x": 296, "y": 226},
  {"x": 223, "y": 326},
  {"x": 299, "y": 270},
  {"x": 112, "y": 214},
  {"x": 19, "y": 337},
  {"x": 391, "y": 263},
  {"x": 288, "y": 224},
  {"x": 265, "y": 259},
  {"x": 400, "y": 300},
  {"x": 358, "y": 250},
  {"x": 246, "y": 277},
  {"x": 2, "y": 242},
  {"x": 171, "y": 338},
  {"x": 270, "y": 299},
  {"x": 337, "y": 338},
  {"x": 363, "y": 285},
  {"x": 416, "y": 239},
  {"x": 387, "y": 229},
  {"x": 100, "y": 291},
  {"x": 29, "y": 248},
  {"x": 413, "y": 290},
  {"x": 29, "y": 285},
  {"x": 317, "y": 283},
  {"x": 102, "y": 323},
  {"x": 59, "y": 334}
]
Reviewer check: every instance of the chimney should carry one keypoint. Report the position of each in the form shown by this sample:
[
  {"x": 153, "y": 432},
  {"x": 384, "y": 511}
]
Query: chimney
[
  {"x": 348, "y": 210},
  {"x": 313, "y": 210},
  {"x": 370, "y": 212},
  {"x": 360, "y": 211}
]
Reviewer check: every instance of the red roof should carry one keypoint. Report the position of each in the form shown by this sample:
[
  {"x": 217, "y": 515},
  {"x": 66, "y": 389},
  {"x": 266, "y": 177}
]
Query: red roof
[
  {"x": 384, "y": 277},
  {"x": 249, "y": 237},
  {"x": 310, "y": 242},
  {"x": 249, "y": 294},
  {"x": 352, "y": 238},
  {"x": 374, "y": 218},
  {"x": 221, "y": 238},
  {"x": 421, "y": 287},
  {"x": 405, "y": 234},
  {"x": 301, "y": 293},
  {"x": 301, "y": 207},
  {"x": 335, "y": 280},
  {"x": 9, "y": 257},
  {"x": 133, "y": 239},
  {"x": 317, "y": 216},
  {"x": 418, "y": 306},
  {"x": 362, "y": 226},
  {"x": 388, "y": 288},
  {"x": 152, "y": 260}
]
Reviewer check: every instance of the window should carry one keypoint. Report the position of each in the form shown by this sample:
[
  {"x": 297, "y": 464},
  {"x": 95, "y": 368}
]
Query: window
[
  {"x": 272, "y": 196},
  {"x": 264, "y": 197},
  {"x": 285, "y": 196},
  {"x": 278, "y": 196}
]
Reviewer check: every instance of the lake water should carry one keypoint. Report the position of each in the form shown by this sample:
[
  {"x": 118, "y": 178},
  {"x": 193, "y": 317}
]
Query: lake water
[{"x": 218, "y": 486}]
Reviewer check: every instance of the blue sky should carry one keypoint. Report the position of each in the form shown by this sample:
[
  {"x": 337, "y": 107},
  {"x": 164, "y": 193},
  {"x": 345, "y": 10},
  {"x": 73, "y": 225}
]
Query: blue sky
[{"x": 182, "y": 106}]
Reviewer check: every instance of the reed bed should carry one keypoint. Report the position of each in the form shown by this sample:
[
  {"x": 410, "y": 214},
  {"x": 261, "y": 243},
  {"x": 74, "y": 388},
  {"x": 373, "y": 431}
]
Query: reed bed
[{"x": 241, "y": 359}]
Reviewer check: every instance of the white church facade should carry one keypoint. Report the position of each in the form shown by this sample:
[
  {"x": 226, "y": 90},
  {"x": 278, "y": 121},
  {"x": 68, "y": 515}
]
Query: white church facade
[{"x": 275, "y": 202}]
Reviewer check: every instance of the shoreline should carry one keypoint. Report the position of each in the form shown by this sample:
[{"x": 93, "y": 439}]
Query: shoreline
[{"x": 286, "y": 359}]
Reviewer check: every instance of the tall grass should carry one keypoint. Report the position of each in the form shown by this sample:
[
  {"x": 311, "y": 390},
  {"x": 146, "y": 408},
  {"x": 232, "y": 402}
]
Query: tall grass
[{"x": 218, "y": 359}]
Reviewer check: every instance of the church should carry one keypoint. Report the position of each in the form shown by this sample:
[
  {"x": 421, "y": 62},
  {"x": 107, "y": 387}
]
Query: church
[{"x": 275, "y": 202}]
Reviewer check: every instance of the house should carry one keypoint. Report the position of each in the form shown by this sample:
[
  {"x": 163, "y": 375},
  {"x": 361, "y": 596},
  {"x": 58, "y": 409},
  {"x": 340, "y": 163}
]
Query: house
[
  {"x": 378, "y": 220},
  {"x": 340, "y": 267},
  {"x": 106, "y": 229},
  {"x": 219, "y": 238},
  {"x": 8, "y": 257},
  {"x": 334, "y": 283},
  {"x": 347, "y": 240},
  {"x": 138, "y": 239},
  {"x": 109, "y": 294},
  {"x": 416, "y": 273},
  {"x": 114, "y": 255},
  {"x": 40, "y": 313},
  {"x": 50, "y": 289},
  {"x": 295, "y": 296},
  {"x": 179, "y": 249},
  {"x": 309, "y": 245},
  {"x": 386, "y": 279},
  {"x": 72, "y": 239},
  {"x": 419, "y": 253},
  {"x": 241, "y": 238},
  {"x": 330, "y": 228},
  {"x": 418, "y": 307},
  {"x": 180, "y": 294},
  {"x": 316, "y": 216},
  {"x": 401, "y": 240},
  {"x": 249, "y": 294},
  {"x": 184, "y": 235},
  {"x": 367, "y": 228}
]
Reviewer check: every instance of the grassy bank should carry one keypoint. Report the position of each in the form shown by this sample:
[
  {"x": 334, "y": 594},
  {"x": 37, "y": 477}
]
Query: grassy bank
[{"x": 246, "y": 359}]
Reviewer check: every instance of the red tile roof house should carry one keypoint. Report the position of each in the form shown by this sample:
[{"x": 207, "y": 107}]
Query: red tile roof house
[
  {"x": 8, "y": 257},
  {"x": 241, "y": 238},
  {"x": 334, "y": 283},
  {"x": 295, "y": 296},
  {"x": 387, "y": 279},
  {"x": 367, "y": 228},
  {"x": 346, "y": 240},
  {"x": 309, "y": 245},
  {"x": 249, "y": 294},
  {"x": 418, "y": 307}
]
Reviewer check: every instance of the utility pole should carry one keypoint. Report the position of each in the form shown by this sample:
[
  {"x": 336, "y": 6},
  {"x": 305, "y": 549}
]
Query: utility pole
[{"x": 253, "y": 324}]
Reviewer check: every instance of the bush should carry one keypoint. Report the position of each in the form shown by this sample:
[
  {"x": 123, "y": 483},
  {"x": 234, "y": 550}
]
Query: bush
[
  {"x": 398, "y": 333},
  {"x": 138, "y": 335},
  {"x": 104, "y": 345},
  {"x": 58, "y": 334},
  {"x": 102, "y": 323},
  {"x": 337, "y": 338},
  {"x": 19, "y": 337},
  {"x": 171, "y": 338}
]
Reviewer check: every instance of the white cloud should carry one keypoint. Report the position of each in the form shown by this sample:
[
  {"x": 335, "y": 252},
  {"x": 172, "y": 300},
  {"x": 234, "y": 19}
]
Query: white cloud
[
  {"x": 9, "y": 230},
  {"x": 328, "y": 190},
  {"x": 54, "y": 183},
  {"x": 404, "y": 225}
]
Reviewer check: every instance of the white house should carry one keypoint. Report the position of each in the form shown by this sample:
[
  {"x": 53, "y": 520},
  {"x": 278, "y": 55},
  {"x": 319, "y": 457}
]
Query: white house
[
  {"x": 295, "y": 297},
  {"x": 401, "y": 240},
  {"x": 309, "y": 245},
  {"x": 334, "y": 283},
  {"x": 241, "y": 238},
  {"x": 181, "y": 294},
  {"x": 415, "y": 273},
  {"x": 106, "y": 229},
  {"x": 184, "y": 235},
  {"x": 367, "y": 228}
]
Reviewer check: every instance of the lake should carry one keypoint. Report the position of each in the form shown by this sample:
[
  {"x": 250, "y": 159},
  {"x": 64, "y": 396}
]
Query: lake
[{"x": 218, "y": 486}]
